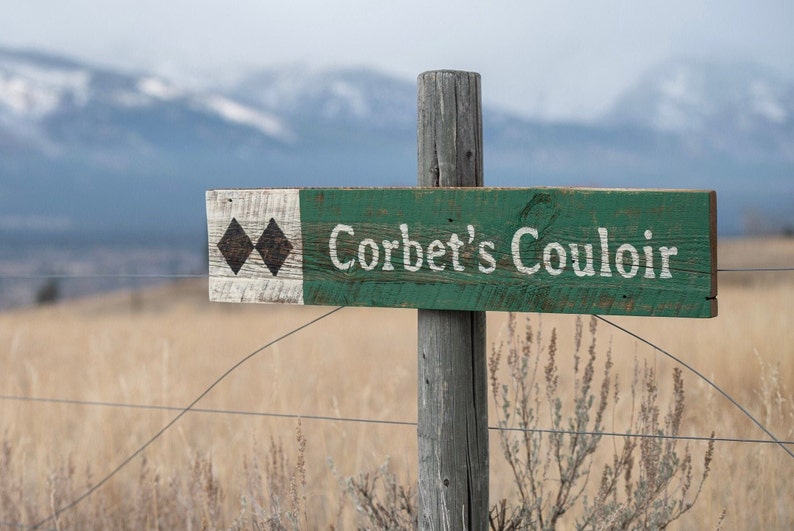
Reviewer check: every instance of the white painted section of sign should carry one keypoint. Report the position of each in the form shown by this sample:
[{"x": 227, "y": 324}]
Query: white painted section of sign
[{"x": 253, "y": 210}]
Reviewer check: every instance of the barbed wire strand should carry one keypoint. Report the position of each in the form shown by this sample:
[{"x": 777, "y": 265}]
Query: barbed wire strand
[
  {"x": 182, "y": 412},
  {"x": 190, "y": 407},
  {"x": 702, "y": 377},
  {"x": 173, "y": 421},
  {"x": 145, "y": 276},
  {"x": 357, "y": 420}
]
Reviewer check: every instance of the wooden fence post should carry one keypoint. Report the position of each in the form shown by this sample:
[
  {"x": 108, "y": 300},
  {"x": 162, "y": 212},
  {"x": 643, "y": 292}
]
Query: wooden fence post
[{"x": 453, "y": 407}]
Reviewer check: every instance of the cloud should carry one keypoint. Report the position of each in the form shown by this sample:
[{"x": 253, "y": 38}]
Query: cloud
[{"x": 553, "y": 58}]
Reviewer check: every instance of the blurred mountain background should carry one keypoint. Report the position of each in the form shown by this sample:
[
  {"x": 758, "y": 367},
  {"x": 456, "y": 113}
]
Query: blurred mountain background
[{"x": 91, "y": 155}]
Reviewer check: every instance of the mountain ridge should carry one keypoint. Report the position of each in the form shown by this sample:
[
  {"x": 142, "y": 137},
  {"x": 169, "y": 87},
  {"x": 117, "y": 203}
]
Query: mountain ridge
[{"x": 76, "y": 139}]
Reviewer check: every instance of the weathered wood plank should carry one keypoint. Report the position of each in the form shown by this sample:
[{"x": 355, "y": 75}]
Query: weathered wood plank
[
  {"x": 452, "y": 421},
  {"x": 627, "y": 252}
]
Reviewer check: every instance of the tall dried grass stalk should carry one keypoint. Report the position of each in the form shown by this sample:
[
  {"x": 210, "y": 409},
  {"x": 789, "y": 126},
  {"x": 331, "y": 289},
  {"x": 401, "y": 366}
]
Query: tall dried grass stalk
[{"x": 550, "y": 437}]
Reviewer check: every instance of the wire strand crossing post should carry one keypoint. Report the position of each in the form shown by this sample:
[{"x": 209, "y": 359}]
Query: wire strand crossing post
[{"x": 453, "y": 407}]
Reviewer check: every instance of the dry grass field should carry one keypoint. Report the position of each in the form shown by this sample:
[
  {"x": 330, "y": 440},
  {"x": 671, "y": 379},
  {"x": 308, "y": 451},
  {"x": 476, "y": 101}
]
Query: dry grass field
[{"x": 164, "y": 346}]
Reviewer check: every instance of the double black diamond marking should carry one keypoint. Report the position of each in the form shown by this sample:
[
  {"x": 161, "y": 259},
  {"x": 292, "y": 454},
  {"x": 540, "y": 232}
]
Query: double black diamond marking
[
  {"x": 235, "y": 246},
  {"x": 273, "y": 246}
]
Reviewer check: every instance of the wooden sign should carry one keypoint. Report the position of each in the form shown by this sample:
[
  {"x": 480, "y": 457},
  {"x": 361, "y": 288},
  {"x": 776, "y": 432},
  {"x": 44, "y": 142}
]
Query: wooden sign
[{"x": 569, "y": 250}]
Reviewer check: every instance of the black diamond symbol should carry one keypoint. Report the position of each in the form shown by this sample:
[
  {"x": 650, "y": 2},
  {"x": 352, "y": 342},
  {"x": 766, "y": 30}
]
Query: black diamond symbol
[
  {"x": 235, "y": 246},
  {"x": 274, "y": 247}
]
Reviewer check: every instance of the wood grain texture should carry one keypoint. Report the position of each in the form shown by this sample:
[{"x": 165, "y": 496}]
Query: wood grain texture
[
  {"x": 453, "y": 249},
  {"x": 252, "y": 210},
  {"x": 452, "y": 419},
  {"x": 449, "y": 129},
  {"x": 618, "y": 252}
]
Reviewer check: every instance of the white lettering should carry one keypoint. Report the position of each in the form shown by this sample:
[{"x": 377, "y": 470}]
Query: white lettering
[
  {"x": 455, "y": 244},
  {"x": 362, "y": 254},
  {"x": 627, "y": 260},
  {"x": 666, "y": 253},
  {"x": 635, "y": 260},
  {"x": 648, "y": 251},
  {"x": 388, "y": 247},
  {"x": 561, "y": 258},
  {"x": 515, "y": 248},
  {"x": 342, "y": 266},
  {"x": 435, "y": 250},
  {"x": 603, "y": 235},
  {"x": 588, "y": 270},
  {"x": 407, "y": 246},
  {"x": 487, "y": 257}
]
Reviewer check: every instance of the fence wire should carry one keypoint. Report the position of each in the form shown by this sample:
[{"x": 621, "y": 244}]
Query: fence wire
[
  {"x": 173, "y": 421},
  {"x": 191, "y": 407},
  {"x": 185, "y": 276},
  {"x": 702, "y": 377},
  {"x": 359, "y": 420}
]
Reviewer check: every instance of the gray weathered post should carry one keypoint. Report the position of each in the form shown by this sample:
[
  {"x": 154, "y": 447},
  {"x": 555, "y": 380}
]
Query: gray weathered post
[{"x": 453, "y": 406}]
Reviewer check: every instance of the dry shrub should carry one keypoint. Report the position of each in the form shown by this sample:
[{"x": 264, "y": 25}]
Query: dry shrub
[
  {"x": 768, "y": 483},
  {"x": 276, "y": 498},
  {"x": 191, "y": 500},
  {"x": 549, "y": 435},
  {"x": 381, "y": 501},
  {"x": 118, "y": 356}
]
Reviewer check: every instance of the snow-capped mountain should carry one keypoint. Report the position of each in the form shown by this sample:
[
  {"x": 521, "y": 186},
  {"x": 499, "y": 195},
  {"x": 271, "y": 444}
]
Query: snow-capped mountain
[
  {"x": 359, "y": 96},
  {"x": 688, "y": 96},
  {"x": 106, "y": 150},
  {"x": 58, "y": 103},
  {"x": 725, "y": 106}
]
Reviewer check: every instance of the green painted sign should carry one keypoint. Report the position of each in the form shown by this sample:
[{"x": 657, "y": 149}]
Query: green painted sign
[{"x": 569, "y": 250}]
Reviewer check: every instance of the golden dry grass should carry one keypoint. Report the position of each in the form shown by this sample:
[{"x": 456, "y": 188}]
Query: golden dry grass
[{"x": 165, "y": 346}]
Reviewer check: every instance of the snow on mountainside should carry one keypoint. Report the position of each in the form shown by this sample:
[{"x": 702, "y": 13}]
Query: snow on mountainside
[
  {"x": 683, "y": 96},
  {"x": 38, "y": 91},
  {"x": 96, "y": 162},
  {"x": 74, "y": 138},
  {"x": 728, "y": 106},
  {"x": 30, "y": 92},
  {"x": 344, "y": 95}
]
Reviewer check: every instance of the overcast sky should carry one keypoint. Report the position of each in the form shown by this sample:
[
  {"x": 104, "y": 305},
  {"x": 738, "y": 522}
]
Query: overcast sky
[{"x": 553, "y": 58}]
